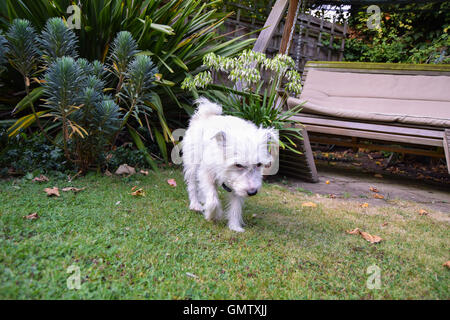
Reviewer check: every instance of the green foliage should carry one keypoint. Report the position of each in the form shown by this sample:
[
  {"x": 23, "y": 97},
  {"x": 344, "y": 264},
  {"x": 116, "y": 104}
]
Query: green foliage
[
  {"x": 174, "y": 34},
  {"x": 75, "y": 98},
  {"x": 57, "y": 41},
  {"x": 413, "y": 33},
  {"x": 33, "y": 153},
  {"x": 123, "y": 48},
  {"x": 85, "y": 119},
  {"x": 23, "y": 50},
  {"x": 126, "y": 154},
  {"x": 3, "y": 51}
]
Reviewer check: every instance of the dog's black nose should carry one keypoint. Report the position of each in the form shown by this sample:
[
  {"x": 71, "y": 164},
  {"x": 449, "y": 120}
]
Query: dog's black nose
[{"x": 252, "y": 192}]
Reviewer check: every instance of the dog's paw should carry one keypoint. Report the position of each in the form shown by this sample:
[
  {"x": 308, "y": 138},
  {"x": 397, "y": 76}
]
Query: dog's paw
[
  {"x": 196, "y": 207},
  {"x": 236, "y": 228}
]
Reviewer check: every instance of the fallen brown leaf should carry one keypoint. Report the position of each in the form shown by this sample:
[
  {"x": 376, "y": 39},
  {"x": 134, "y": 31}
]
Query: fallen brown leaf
[
  {"x": 41, "y": 178},
  {"x": 32, "y": 216},
  {"x": 125, "y": 169},
  {"x": 370, "y": 238},
  {"x": 447, "y": 264},
  {"x": 309, "y": 204},
  {"x": 423, "y": 212},
  {"x": 172, "y": 182},
  {"x": 365, "y": 235},
  {"x": 373, "y": 189},
  {"x": 364, "y": 205},
  {"x": 378, "y": 196},
  {"x": 139, "y": 192},
  {"x": 52, "y": 191},
  {"x": 384, "y": 224},
  {"x": 354, "y": 231},
  {"x": 73, "y": 189}
]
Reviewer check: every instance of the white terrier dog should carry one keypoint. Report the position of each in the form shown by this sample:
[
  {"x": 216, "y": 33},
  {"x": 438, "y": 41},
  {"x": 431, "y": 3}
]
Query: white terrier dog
[{"x": 223, "y": 151}]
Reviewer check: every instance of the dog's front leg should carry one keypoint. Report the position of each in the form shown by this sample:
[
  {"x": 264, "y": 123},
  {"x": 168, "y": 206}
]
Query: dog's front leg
[
  {"x": 208, "y": 189},
  {"x": 234, "y": 213}
]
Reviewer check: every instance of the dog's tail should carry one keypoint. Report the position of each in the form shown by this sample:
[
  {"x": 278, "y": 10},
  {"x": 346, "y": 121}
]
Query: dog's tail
[{"x": 206, "y": 109}]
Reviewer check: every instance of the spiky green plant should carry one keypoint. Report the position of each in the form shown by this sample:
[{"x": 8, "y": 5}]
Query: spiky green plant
[
  {"x": 57, "y": 41},
  {"x": 64, "y": 81},
  {"x": 74, "y": 95},
  {"x": 23, "y": 50}
]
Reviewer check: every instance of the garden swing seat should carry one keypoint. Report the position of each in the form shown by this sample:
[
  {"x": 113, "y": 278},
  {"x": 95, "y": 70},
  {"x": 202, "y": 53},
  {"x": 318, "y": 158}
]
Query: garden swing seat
[{"x": 398, "y": 107}]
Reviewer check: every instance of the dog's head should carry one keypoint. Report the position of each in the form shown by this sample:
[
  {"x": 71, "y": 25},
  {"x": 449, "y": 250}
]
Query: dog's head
[{"x": 245, "y": 156}]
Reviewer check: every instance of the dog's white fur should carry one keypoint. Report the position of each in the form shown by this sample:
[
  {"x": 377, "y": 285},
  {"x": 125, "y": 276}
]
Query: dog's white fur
[{"x": 221, "y": 150}]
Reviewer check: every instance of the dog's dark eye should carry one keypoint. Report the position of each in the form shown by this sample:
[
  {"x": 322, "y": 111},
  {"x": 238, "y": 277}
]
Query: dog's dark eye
[
  {"x": 259, "y": 164},
  {"x": 240, "y": 166}
]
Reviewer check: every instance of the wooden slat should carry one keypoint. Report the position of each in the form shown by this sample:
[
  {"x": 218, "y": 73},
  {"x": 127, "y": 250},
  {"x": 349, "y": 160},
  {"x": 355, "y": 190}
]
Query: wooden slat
[
  {"x": 368, "y": 66},
  {"x": 437, "y": 134},
  {"x": 375, "y": 135},
  {"x": 389, "y": 148},
  {"x": 270, "y": 26},
  {"x": 288, "y": 27},
  {"x": 447, "y": 148}
]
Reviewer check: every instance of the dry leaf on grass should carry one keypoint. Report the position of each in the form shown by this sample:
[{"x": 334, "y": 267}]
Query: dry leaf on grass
[
  {"x": 73, "y": 189},
  {"x": 364, "y": 205},
  {"x": 125, "y": 169},
  {"x": 384, "y": 224},
  {"x": 41, "y": 178},
  {"x": 309, "y": 204},
  {"x": 139, "y": 192},
  {"x": 365, "y": 235},
  {"x": 52, "y": 191},
  {"x": 423, "y": 212},
  {"x": 378, "y": 196},
  {"x": 172, "y": 182},
  {"x": 373, "y": 189},
  {"x": 447, "y": 264},
  {"x": 32, "y": 216}
]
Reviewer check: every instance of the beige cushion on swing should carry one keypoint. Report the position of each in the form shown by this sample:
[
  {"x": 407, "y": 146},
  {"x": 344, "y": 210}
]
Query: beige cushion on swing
[{"x": 410, "y": 99}]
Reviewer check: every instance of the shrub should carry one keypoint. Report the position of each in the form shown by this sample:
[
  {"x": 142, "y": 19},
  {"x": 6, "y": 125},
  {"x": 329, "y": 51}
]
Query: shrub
[
  {"x": 30, "y": 153},
  {"x": 87, "y": 120}
]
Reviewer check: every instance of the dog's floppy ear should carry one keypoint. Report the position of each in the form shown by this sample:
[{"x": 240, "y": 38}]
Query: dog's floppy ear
[{"x": 221, "y": 138}]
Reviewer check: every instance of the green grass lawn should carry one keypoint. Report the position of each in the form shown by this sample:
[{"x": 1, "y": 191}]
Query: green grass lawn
[{"x": 153, "y": 247}]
